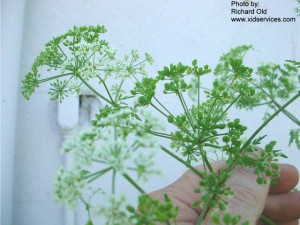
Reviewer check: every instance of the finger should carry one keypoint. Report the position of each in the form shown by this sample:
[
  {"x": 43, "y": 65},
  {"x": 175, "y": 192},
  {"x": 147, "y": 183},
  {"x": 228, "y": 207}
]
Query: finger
[
  {"x": 289, "y": 177},
  {"x": 294, "y": 222},
  {"x": 283, "y": 207}
]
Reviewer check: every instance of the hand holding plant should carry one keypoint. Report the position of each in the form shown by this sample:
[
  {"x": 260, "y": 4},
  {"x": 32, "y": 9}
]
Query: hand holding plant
[{"x": 125, "y": 129}]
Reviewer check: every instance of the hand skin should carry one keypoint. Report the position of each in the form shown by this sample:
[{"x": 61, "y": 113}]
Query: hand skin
[{"x": 250, "y": 200}]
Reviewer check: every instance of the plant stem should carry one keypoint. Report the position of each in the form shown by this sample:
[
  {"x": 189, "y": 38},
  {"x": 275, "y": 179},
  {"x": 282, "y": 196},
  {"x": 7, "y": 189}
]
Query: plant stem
[
  {"x": 212, "y": 145},
  {"x": 131, "y": 181},
  {"x": 54, "y": 77},
  {"x": 113, "y": 182},
  {"x": 163, "y": 135},
  {"x": 139, "y": 63},
  {"x": 93, "y": 90},
  {"x": 198, "y": 102},
  {"x": 107, "y": 91},
  {"x": 185, "y": 110},
  {"x": 118, "y": 90},
  {"x": 181, "y": 161},
  {"x": 230, "y": 105},
  {"x": 184, "y": 129},
  {"x": 213, "y": 136},
  {"x": 269, "y": 119},
  {"x": 62, "y": 51},
  {"x": 285, "y": 112},
  {"x": 266, "y": 220},
  {"x": 159, "y": 110},
  {"x": 205, "y": 159},
  {"x": 99, "y": 161},
  {"x": 204, "y": 211},
  {"x": 95, "y": 175},
  {"x": 163, "y": 106}
]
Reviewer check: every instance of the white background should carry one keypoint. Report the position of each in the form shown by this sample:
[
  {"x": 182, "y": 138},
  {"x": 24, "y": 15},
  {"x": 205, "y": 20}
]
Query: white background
[{"x": 171, "y": 31}]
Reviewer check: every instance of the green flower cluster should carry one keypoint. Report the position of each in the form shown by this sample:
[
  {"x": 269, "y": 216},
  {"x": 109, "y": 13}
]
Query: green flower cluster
[
  {"x": 268, "y": 86},
  {"x": 152, "y": 211}
]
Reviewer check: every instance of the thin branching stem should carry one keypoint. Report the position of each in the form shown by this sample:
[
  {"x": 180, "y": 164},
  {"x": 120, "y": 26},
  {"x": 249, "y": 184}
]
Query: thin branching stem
[
  {"x": 248, "y": 142},
  {"x": 118, "y": 90},
  {"x": 164, "y": 135},
  {"x": 54, "y": 77},
  {"x": 131, "y": 181},
  {"x": 97, "y": 174},
  {"x": 113, "y": 184},
  {"x": 154, "y": 106},
  {"x": 204, "y": 211},
  {"x": 62, "y": 51},
  {"x": 285, "y": 112},
  {"x": 93, "y": 90},
  {"x": 186, "y": 110},
  {"x": 107, "y": 91},
  {"x": 163, "y": 107},
  {"x": 229, "y": 106},
  {"x": 181, "y": 161}
]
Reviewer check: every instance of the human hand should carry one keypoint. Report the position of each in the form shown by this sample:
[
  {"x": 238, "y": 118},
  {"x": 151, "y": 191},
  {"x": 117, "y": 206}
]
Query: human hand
[{"x": 250, "y": 199}]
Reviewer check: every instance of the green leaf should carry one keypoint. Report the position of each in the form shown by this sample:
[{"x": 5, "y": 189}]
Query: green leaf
[
  {"x": 89, "y": 222},
  {"x": 215, "y": 218},
  {"x": 130, "y": 209},
  {"x": 227, "y": 218},
  {"x": 194, "y": 63}
]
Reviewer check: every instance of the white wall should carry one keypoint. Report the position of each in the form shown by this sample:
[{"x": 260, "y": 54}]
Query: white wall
[
  {"x": 171, "y": 31},
  {"x": 12, "y": 13}
]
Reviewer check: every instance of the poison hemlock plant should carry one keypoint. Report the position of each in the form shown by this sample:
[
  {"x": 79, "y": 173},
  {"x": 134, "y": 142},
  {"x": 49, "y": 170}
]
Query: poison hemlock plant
[{"x": 121, "y": 137}]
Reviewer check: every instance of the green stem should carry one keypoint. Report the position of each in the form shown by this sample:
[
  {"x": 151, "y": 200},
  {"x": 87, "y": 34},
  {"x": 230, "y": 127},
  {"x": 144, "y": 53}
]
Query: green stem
[
  {"x": 181, "y": 161},
  {"x": 261, "y": 104},
  {"x": 213, "y": 136},
  {"x": 204, "y": 211},
  {"x": 183, "y": 128},
  {"x": 131, "y": 181},
  {"x": 266, "y": 220},
  {"x": 62, "y": 51},
  {"x": 230, "y": 105},
  {"x": 159, "y": 110},
  {"x": 118, "y": 90},
  {"x": 54, "y": 77},
  {"x": 93, "y": 90},
  {"x": 198, "y": 102},
  {"x": 95, "y": 175},
  {"x": 113, "y": 182},
  {"x": 205, "y": 159},
  {"x": 139, "y": 63},
  {"x": 285, "y": 112},
  {"x": 163, "y": 135},
  {"x": 184, "y": 106},
  {"x": 99, "y": 161},
  {"x": 269, "y": 119},
  {"x": 87, "y": 207},
  {"x": 163, "y": 106},
  {"x": 107, "y": 91},
  {"x": 212, "y": 145}
]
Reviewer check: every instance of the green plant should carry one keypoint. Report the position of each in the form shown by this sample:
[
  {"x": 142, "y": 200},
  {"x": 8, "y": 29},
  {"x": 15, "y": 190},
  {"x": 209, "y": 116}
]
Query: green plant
[
  {"x": 297, "y": 9},
  {"x": 120, "y": 140}
]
